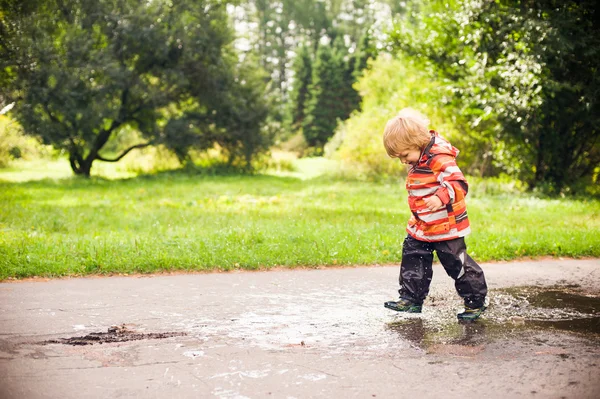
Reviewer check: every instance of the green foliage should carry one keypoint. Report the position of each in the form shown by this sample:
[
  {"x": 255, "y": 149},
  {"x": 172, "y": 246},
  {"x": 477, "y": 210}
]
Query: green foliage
[
  {"x": 274, "y": 30},
  {"x": 353, "y": 67},
  {"x": 163, "y": 68},
  {"x": 323, "y": 94},
  {"x": 285, "y": 34},
  {"x": 15, "y": 145},
  {"x": 349, "y": 97},
  {"x": 326, "y": 104},
  {"x": 389, "y": 86},
  {"x": 523, "y": 81},
  {"x": 240, "y": 114},
  {"x": 302, "y": 80},
  {"x": 283, "y": 25},
  {"x": 295, "y": 144},
  {"x": 365, "y": 51}
]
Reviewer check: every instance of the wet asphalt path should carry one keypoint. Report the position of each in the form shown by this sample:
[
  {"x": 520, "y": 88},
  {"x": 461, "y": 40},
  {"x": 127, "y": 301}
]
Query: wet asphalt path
[{"x": 300, "y": 334}]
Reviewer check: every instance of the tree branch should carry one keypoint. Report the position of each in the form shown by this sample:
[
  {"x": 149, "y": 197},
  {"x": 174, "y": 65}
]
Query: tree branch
[
  {"x": 104, "y": 135},
  {"x": 101, "y": 158},
  {"x": 52, "y": 117}
]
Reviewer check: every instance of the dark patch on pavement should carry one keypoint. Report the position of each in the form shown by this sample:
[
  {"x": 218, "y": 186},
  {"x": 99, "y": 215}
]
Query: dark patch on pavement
[
  {"x": 7, "y": 347},
  {"x": 120, "y": 333}
]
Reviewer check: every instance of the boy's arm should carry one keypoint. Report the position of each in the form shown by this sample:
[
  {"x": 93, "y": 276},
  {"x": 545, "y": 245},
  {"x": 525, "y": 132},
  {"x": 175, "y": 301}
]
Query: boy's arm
[{"x": 453, "y": 185}]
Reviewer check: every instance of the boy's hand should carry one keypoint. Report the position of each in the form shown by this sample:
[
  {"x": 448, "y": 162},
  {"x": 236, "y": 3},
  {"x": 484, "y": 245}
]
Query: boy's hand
[{"x": 433, "y": 203}]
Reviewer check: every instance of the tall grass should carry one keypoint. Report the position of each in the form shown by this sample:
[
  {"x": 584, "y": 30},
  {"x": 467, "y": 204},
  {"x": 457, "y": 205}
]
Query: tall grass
[{"x": 175, "y": 221}]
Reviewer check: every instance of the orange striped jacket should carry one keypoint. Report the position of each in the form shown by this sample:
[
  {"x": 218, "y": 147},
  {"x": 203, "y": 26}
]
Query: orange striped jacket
[{"x": 436, "y": 173}]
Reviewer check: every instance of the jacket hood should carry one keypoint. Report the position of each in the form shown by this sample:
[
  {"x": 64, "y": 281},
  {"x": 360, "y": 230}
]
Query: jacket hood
[{"x": 440, "y": 146}]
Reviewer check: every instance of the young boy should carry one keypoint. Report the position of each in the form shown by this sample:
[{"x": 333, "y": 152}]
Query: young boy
[{"x": 436, "y": 197}]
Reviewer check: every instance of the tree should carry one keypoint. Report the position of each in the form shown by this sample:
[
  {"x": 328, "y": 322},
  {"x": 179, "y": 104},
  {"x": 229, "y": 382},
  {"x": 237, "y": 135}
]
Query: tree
[
  {"x": 94, "y": 66},
  {"x": 365, "y": 51},
  {"x": 241, "y": 114},
  {"x": 566, "y": 129},
  {"x": 275, "y": 29},
  {"x": 523, "y": 77},
  {"x": 325, "y": 105},
  {"x": 302, "y": 79}
]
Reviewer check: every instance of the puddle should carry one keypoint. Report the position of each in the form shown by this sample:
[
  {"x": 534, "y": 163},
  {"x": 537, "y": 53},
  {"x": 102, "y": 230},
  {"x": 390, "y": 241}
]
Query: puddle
[
  {"x": 559, "y": 308},
  {"x": 341, "y": 322},
  {"x": 120, "y": 333},
  {"x": 591, "y": 324},
  {"x": 337, "y": 322},
  {"x": 451, "y": 338},
  {"x": 557, "y": 299},
  {"x": 513, "y": 313}
]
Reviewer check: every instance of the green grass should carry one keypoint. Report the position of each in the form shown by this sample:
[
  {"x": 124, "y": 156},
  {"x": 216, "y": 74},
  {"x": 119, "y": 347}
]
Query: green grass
[{"x": 190, "y": 222}]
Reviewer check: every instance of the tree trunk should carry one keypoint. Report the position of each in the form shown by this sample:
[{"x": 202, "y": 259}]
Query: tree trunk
[
  {"x": 80, "y": 166},
  {"x": 85, "y": 170}
]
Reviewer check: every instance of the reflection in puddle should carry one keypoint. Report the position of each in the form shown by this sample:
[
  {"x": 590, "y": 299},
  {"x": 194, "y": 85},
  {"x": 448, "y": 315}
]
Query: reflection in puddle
[{"x": 426, "y": 335}]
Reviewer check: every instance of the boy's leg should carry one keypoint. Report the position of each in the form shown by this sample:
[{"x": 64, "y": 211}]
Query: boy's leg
[
  {"x": 415, "y": 270},
  {"x": 469, "y": 278}
]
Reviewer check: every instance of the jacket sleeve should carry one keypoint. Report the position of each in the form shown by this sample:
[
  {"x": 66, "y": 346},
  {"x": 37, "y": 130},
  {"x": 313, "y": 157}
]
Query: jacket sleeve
[{"x": 453, "y": 185}]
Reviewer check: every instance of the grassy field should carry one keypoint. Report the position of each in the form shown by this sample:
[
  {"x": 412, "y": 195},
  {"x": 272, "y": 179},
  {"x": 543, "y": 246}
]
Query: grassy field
[{"x": 192, "y": 222}]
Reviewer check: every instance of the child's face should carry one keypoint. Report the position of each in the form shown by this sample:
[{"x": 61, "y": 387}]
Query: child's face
[{"x": 410, "y": 156}]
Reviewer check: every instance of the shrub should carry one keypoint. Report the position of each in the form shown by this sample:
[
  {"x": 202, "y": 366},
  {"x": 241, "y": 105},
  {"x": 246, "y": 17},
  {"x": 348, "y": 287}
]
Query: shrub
[
  {"x": 296, "y": 144},
  {"x": 15, "y": 145},
  {"x": 389, "y": 86}
]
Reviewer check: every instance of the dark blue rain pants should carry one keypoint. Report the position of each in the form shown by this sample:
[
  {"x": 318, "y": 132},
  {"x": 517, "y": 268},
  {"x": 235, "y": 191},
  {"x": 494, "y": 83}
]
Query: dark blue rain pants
[{"x": 416, "y": 271}]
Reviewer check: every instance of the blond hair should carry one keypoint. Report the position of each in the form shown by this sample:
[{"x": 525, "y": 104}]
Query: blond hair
[{"x": 407, "y": 130}]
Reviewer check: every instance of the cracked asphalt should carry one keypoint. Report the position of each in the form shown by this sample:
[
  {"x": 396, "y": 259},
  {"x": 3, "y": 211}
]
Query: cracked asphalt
[{"x": 302, "y": 333}]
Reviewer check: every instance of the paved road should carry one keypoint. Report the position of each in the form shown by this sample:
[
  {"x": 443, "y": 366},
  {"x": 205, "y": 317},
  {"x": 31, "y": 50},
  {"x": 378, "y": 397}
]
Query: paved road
[{"x": 301, "y": 333}]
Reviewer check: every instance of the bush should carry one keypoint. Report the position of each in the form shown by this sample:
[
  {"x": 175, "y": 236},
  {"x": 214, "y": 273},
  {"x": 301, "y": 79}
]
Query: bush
[
  {"x": 296, "y": 144},
  {"x": 278, "y": 161},
  {"x": 15, "y": 145},
  {"x": 390, "y": 85},
  {"x": 150, "y": 160}
]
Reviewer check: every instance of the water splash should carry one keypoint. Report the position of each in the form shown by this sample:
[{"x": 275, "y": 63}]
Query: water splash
[{"x": 357, "y": 323}]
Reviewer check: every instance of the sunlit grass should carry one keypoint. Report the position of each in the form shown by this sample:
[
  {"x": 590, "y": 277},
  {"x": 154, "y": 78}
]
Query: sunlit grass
[
  {"x": 184, "y": 222},
  {"x": 23, "y": 171}
]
